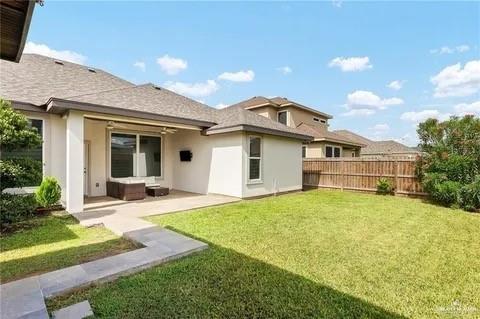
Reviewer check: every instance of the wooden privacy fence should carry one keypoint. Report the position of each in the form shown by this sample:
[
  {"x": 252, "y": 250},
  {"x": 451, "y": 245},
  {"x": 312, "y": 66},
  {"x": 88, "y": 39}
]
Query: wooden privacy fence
[{"x": 361, "y": 174}]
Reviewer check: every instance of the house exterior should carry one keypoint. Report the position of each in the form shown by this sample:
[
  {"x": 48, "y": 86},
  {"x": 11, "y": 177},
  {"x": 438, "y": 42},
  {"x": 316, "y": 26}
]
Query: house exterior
[
  {"x": 375, "y": 149},
  {"x": 97, "y": 127},
  {"x": 307, "y": 120}
]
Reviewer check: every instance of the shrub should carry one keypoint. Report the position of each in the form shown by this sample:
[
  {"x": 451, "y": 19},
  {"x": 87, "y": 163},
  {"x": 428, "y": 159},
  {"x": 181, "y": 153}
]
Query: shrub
[
  {"x": 16, "y": 208},
  {"x": 469, "y": 196},
  {"x": 20, "y": 172},
  {"x": 446, "y": 193},
  {"x": 384, "y": 186},
  {"x": 49, "y": 192},
  {"x": 431, "y": 180}
]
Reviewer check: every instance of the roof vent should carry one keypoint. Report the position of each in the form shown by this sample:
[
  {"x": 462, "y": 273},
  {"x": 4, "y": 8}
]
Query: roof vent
[
  {"x": 58, "y": 62},
  {"x": 92, "y": 70}
]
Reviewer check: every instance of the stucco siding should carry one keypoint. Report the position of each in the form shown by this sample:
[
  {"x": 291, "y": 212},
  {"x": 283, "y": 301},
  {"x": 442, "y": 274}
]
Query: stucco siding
[
  {"x": 215, "y": 166},
  {"x": 281, "y": 166},
  {"x": 298, "y": 116}
]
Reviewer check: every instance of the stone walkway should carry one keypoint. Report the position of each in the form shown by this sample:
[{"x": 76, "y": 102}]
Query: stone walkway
[{"x": 25, "y": 298}]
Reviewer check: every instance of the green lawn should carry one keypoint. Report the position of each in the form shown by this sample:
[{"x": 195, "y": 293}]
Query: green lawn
[
  {"x": 54, "y": 242},
  {"x": 323, "y": 254}
]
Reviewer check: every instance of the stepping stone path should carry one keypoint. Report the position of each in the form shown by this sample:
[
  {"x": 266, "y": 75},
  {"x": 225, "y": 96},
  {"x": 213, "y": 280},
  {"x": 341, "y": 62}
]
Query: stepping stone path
[
  {"x": 25, "y": 298},
  {"x": 77, "y": 311}
]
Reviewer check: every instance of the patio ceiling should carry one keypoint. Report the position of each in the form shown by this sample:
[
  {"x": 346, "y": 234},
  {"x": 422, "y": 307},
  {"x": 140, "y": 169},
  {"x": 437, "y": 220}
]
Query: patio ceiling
[{"x": 15, "y": 17}]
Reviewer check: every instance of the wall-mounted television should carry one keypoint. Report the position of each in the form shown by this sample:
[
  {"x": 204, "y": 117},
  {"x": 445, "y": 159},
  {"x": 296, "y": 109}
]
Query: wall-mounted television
[{"x": 185, "y": 156}]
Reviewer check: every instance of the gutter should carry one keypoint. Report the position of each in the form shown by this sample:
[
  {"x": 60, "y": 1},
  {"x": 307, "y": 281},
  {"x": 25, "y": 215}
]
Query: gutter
[
  {"x": 61, "y": 106},
  {"x": 257, "y": 129}
]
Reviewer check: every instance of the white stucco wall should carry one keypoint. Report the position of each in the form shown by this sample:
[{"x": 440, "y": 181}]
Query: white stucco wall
[
  {"x": 219, "y": 163},
  {"x": 216, "y": 165},
  {"x": 281, "y": 166}
]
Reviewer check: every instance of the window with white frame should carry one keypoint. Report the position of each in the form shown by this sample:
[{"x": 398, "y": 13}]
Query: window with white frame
[
  {"x": 304, "y": 151},
  {"x": 354, "y": 154},
  {"x": 332, "y": 151},
  {"x": 282, "y": 117},
  {"x": 133, "y": 155},
  {"x": 254, "y": 158}
]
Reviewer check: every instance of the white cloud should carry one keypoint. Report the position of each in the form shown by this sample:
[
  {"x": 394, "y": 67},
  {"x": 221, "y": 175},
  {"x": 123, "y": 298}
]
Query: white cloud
[
  {"x": 337, "y": 3},
  {"x": 408, "y": 139},
  {"x": 285, "y": 69},
  {"x": 221, "y": 105},
  {"x": 240, "y": 76},
  {"x": 465, "y": 108},
  {"x": 171, "y": 65},
  {"x": 359, "y": 112},
  {"x": 141, "y": 65},
  {"x": 396, "y": 85},
  {"x": 352, "y": 64},
  {"x": 455, "y": 81},
  {"x": 366, "y": 100},
  {"x": 193, "y": 89},
  {"x": 381, "y": 128},
  {"x": 417, "y": 117},
  {"x": 65, "y": 55},
  {"x": 448, "y": 50}
]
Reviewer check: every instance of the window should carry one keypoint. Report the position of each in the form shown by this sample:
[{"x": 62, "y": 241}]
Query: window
[
  {"x": 282, "y": 117},
  {"x": 304, "y": 151},
  {"x": 254, "y": 158},
  {"x": 332, "y": 151},
  {"x": 354, "y": 154},
  {"x": 316, "y": 119},
  {"x": 33, "y": 157},
  {"x": 135, "y": 155},
  {"x": 323, "y": 121}
]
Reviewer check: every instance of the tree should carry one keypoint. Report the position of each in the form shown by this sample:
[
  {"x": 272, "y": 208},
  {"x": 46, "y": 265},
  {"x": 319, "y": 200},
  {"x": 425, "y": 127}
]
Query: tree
[
  {"x": 16, "y": 134},
  {"x": 451, "y": 155},
  {"x": 15, "y": 131}
]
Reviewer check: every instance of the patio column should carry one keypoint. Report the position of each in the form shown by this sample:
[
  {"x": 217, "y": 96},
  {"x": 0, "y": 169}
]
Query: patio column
[{"x": 74, "y": 162}]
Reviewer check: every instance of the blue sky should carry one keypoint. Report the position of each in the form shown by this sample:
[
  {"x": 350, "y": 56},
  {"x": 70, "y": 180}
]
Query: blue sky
[{"x": 337, "y": 57}]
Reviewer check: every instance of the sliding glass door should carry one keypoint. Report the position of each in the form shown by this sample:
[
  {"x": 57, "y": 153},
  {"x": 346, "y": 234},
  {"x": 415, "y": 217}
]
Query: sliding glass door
[{"x": 133, "y": 155}]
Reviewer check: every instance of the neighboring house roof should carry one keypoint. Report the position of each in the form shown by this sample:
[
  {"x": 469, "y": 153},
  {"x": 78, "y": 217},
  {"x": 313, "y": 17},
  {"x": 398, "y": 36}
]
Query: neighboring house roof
[
  {"x": 14, "y": 24},
  {"x": 322, "y": 134},
  {"x": 279, "y": 102},
  {"x": 378, "y": 147},
  {"x": 353, "y": 136},
  {"x": 41, "y": 83},
  {"x": 237, "y": 118}
]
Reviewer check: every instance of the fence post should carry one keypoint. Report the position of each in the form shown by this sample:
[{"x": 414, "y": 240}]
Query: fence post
[
  {"x": 395, "y": 167},
  {"x": 342, "y": 176}
]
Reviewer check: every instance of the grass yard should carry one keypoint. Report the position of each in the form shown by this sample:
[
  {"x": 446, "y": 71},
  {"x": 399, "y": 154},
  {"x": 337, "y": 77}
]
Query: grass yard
[
  {"x": 54, "y": 242},
  {"x": 322, "y": 254}
]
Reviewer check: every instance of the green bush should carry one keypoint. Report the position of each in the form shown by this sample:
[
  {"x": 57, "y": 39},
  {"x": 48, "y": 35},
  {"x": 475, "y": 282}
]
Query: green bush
[
  {"x": 20, "y": 172},
  {"x": 431, "y": 180},
  {"x": 384, "y": 186},
  {"x": 16, "y": 208},
  {"x": 469, "y": 196},
  {"x": 446, "y": 193},
  {"x": 49, "y": 192}
]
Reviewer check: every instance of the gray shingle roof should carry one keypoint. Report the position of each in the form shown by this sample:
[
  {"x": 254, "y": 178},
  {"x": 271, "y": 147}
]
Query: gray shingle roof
[
  {"x": 38, "y": 79},
  {"x": 378, "y": 147},
  {"x": 320, "y": 133},
  {"x": 152, "y": 99},
  {"x": 276, "y": 102},
  {"x": 232, "y": 117}
]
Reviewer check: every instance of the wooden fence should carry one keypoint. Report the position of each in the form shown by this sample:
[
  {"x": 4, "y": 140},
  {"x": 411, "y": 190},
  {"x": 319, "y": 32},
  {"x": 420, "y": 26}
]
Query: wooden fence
[{"x": 361, "y": 174}]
